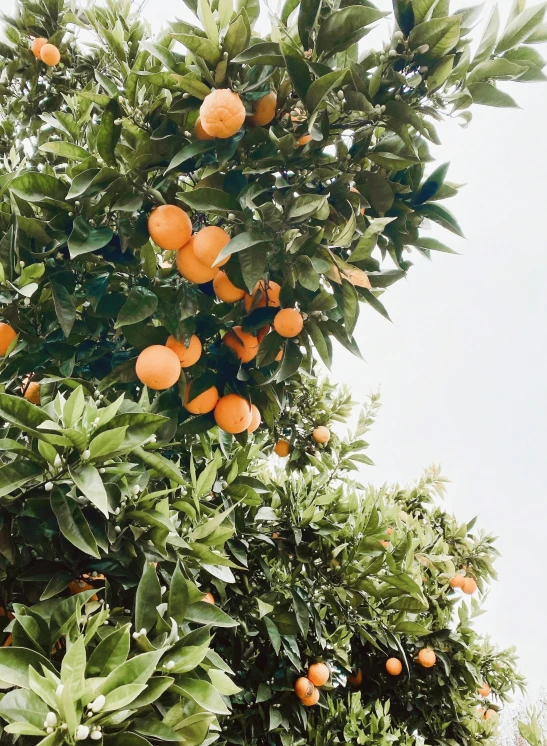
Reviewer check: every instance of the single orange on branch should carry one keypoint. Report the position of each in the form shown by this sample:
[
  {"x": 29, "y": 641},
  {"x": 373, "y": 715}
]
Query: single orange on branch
[
  {"x": 244, "y": 345},
  {"x": 469, "y": 585},
  {"x": 304, "y": 140},
  {"x": 32, "y": 392},
  {"x": 7, "y": 335},
  {"x": 208, "y": 243},
  {"x": 264, "y": 110},
  {"x": 265, "y": 295},
  {"x": 485, "y": 689},
  {"x": 209, "y": 598},
  {"x": 303, "y": 687},
  {"x": 158, "y": 367},
  {"x": 457, "y": 581},
  {"x": 256, "y": 419},
  {"x": 282, "y": 448},
  {"x": 225, "y": 290},
  {"x": 50, "y": 55},
  {"x": 427, "y": 658},
  {"x": 394, "y": 666},
  {"x": 319, "y": 674},
  {"x": 321, "y": 434},
  {"x": 288, "y": 322},
  {"x": 36, "y": 46},
  {"x": 222, "y": 113},
  {"x": 312, "y": 700},
  {"x": 188, "y": 355},
  {"x": 169, "y": 227},
  {"x": 233, "y": 414},
  {"x": 202, "y": 403}
]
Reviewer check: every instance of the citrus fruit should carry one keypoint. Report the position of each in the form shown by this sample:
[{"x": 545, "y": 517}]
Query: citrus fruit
[
  {"x": 282, "y": 448},
  {"x": 233, "y": 414},
  {"x": 288, "y": 322},
  {"x": 79, "y": 586},
  {"x": 7, "y": 335},
  {"x": 37, "y": 45},
  {"x": 256, "y": 419},
  {"x": 200, "y": 132},
  {"x": 356, "y": 679},
  {"x": 32, "y": 392},
  {"x": 169, "y": 227},
  {"x": 208, "y": 243},
  {"x": 191, "y": 268},
  {"x": 7, "y": 643},
  {"x": 225, "y": 289},
  {"x": 303, "y": 687},
  {"x": 244, "y": 345},
  {"x": 222, "y": 113},
  {"x": 394, "y": 666},
  {"x": 389, "y": 530},
  {"x": 304, "y": 140},
  {"x": 209, "y": 598},
  {"x": 489, "y": 714},
  {"x": 457, "y": 581},
  {"x": 158, "y": 367},
  {"x": 321, "y": 434},
  {"x": 484, "y": 690},
  {"x": 469, "y": 585},
  {"x": 202, "y": 403},
  {"x": 264, "y": 294},
  {"x": 384, "y": 543},
  {"x": 318, "y": 674},
  {"x": 50, "y": 55},
  {"x": 187, "y": 355},
  {"x": 312, "y": 700},
  {"x": 264, "y": 110},
  {"x": 427, "y": 657}
]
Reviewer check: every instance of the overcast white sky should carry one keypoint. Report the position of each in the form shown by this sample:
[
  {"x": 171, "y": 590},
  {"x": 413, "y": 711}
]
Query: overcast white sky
[{"x": 463, "y": 368}]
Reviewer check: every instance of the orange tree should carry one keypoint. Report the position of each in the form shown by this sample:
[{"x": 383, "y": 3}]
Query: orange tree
[{"x": 187, "y": 223}]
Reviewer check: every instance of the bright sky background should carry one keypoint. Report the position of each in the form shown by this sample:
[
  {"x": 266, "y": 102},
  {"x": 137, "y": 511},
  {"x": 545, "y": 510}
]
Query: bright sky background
[{"x": 463, "y": 367}]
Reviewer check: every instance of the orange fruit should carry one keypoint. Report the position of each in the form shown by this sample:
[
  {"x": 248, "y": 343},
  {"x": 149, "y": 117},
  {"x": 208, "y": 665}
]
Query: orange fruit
[
  {"x": 264, "y": 110},
  {"x": 312, "y": 700},
  {"x": 208, "y": 243},
  {"x": 233, "y": 413},
  {"x": 187, "y": 355},
  {"x": 158, "y": 367},
  {"x": 209, "y": 598},
  {"x": 256, "y": 419},
  {"x": 484, "y": 690},
  {"x": 303, "y": 687},
  {"x": 356, "y": 679},
  {"x": 225, "y": 289},
  {"x": 457, "y": 581},
  {"x": 321, "y": 434},
  {"x": 384, "y": 543},
  {"x": 282, "y": 448},
  {"x": 288, "y": 322},
  {"x": 169, "y": 227},
  {"x": 244, "y": 345},
  {"x": 279, "y": 356},
  {"x": 389, "y": 531},
  {"x": 8, "y": 641},
  {"x": 304, "y": 140},
  {"x": 222, "y": 113},
  {"x": 50, "y": 55},
  {"x": 79, "y": 586},
  {"x": 469, "y": 586},
  {"x": 32, "y": 392},
  {"x": 37, "y": 45},
  {"x": 200, "y": 132},
  {"x": 319, "y": 674},
  {"x": 489, "y": 714},
  {"x": 394, "y": 666},
  {"x": 427, "y": 657},
  {"x": 202, "y": 403},
  {"x": 191, "y": 268},
  {"x": 7, "y": 335},
  {"x": 264, "y": 294}
]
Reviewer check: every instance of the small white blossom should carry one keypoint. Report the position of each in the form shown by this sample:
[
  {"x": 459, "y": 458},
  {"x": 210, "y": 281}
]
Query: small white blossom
[
  {"x": 51, "y": 720},
  {"x": 82, "y": 732},
  {"x": 98, "y": 703},
  {"x": 59, "y": 690},
  {"x": 169, "y": 665},
  {"x": 48, "y": 486},
  {"x": 86, "y": 454}
]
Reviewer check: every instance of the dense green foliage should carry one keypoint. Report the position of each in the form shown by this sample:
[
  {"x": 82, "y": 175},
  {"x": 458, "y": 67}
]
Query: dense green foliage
[{"x": 115, "y": 490}]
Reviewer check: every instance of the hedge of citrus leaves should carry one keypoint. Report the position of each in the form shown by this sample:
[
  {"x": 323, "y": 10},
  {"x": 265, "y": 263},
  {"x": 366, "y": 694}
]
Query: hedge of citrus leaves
[{"x": 161, "y": 580}]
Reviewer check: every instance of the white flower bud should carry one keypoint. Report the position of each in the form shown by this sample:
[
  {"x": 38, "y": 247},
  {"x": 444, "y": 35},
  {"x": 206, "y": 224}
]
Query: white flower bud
[
  {"x": 57, "y": 462},
  {"x": 21, "y": 264},
  {"x": 96, "y": 735},
  {"x": 231, "y": 216},
  {"x": 51, "y": 720},
  {"x": 102, "y": 470},
  {"x": 118, "y": 529},
  {"x": 86, "y": 454},
  {"x": 49, "y": 730},
  {"x": 135, "y": 489},
  {"x": 117, "y": 511},
  {"x": 142, "y": 631},
  {"x": 48, "y": 486},
  {"x": 98, "y": 703},
  {"x": 169, "y": 666},
  {"x": 59, "y": 690},
  {"x": 82, "y": 732}
]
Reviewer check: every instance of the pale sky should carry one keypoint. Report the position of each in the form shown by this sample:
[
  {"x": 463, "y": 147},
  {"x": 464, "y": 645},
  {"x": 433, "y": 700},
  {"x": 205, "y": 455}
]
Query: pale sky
[{"x": 463, "y": 368}]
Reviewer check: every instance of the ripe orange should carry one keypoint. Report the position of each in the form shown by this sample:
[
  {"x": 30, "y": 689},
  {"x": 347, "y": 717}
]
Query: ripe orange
[
  {"x": 200, "y": 132},
  {"x": 256, "y": 419},
  {"x": 485, "y": 689},
  {"x": 7, "y": 643},
  {"x": 264, "y": 110},
  {"x": 32, "y": 392},
  {"x": 282, "y": 448},
  {"x": 222, "y": 113},
  {"x": 37, "y": 45},
  {"x": 394, "y": 666},
  {"x": 244, "y": 345},
  {"x": 7, "y": 335},
  {"x": 356, "y": 679},
  {"x": 312, "y": 700},
  {"x": 209, "y": 598},
  {"x": 158, "y": 367},
  {"x": 191, "y": 268},
  {"x": 489, "y": 714},
  {"x": 457, "y": 581},
  {"x": 169, "y": 227},
  {"x": 469, "y": 585},
  {"x": 303, "y": 687},
  {"x": 208, "y": 243},
  {"x": 225, "y": 289},
  {"x": 202, "y": 403},
  {"x": 233, "y": 414},
  {"x": 384, "y": 543},
  {"x": 319, "y": 674},
  {"x": 321, "y": 434},
  {"x": 50, "y": 55},
  {"x": 427, "y": 657},
  {"x": 187, "y": 355},
  {"x": 304, "y": 140},
  {"x": 389, "y": 530},
  {"x": 264, "y": 294},
  {"x": 288, "y": 322},
  {"x": 79, "y": 586}
]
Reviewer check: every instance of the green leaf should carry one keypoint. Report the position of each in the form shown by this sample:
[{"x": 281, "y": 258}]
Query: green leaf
[
  {"x": 404, "y": 14},
  {"x": 23, "y": 705},
  {"x": 189, "y": 151},
  {"x": 241, "y": 242},
  {"x": 65, "y": 307},
  {"x": 16, "y": 474},
  {"x": 109, "y": 133},
  {"x": 489, "y": 95},
  {"x": 412, "y": 628},
  {"x": 298, "y": 69},
  {"x": 201, "y": 47},
  {"x": 291, "y": 362},
  {"x": 35, "y": 187},
  {"x": 85, "y": 238},
  {"x": 88, "y": 480},
  {"x": 238, "y": 35},
  {"x": 159, "y": 463},
  {"x": 73, "y": 665},
  {"x": 91, "y": 182},
  {"x": 441, "y": 216},
  {"x": 74, "y": 407},
  {"x": 15, "y": 663},
  {"x": 440, "y": 34},
  {"x": 72, "y": 523},
  {"x": 253, "y": 264},
  {"x": 137, "y": 670},
  {"x": 107, "y": 443},
  {"x": 432, "y": 184},
  {"x": 147, "y": 599},
  {"x": 123, "y": 696},
  {"x": 141, "y": 303},
  {"x": 431, "y": 244},
  {"x": 521, "y": 27},
  {"x": 392, "y": 161},
  {"x": 498, "y": 68},
  {"x": 320, "y": 88},
  {"x": 65, "y": 150},
  {"x": 345, "y": 27},
  {"x": 110, "y": 653},
  {"x": 205, "y": 613},
  {"x": 176, "y": 82},
  {"x": 308, "y": 17},
  {"x": 210, "y": 199},
  {"x": 201, "y": 692},
  {"x": 178, "y": 596},
  {"x": 262, "y": 53}
]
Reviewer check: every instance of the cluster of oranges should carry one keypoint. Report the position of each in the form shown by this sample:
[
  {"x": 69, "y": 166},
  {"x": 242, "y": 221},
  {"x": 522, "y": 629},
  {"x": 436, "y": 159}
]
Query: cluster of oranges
[
  {"x": 222, "y": 114},
  {"x": 43, "y": 50},
  {"x": 321, "y": 435},
  {"x": 485, "y": 713},
  {"x": 467, "y": 584},
  {"x": 306, "y": 687}
]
